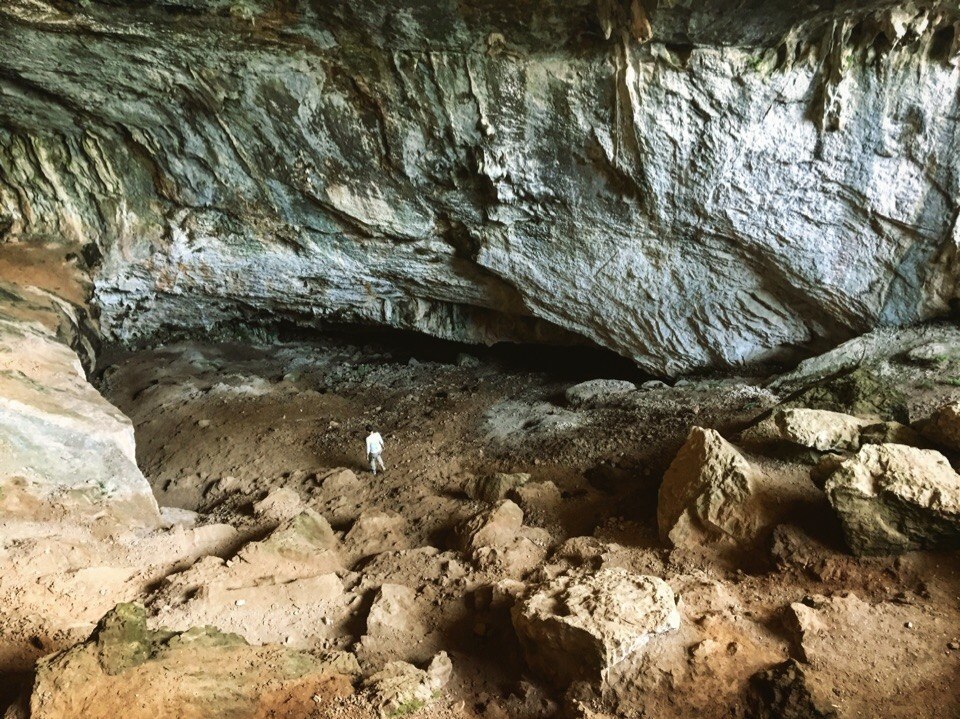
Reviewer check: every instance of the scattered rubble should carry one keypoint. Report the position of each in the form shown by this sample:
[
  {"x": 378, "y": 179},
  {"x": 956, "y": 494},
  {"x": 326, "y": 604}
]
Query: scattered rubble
[
  {"x": 401, "y": 688},
  {"x": 783, "y": 692},
  {"x": 370, "y": 576}
]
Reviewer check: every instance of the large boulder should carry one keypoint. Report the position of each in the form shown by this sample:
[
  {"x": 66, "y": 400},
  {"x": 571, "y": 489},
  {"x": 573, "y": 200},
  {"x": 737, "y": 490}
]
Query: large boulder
[
  {"x": 65, "y": 452},
  {"x": 712, "y": 500},
  {"x": 128, "y": 670},
  {"x": 892, "y": 498},
  {"x": 820, "y": 429},
  {"x": 496, "y": 539},
  {"x": 580, "y": 624},
  {"x": 826, "y": 431},
  {"x": 943, "y": 426},
  {"x": 705, "y": 493}
]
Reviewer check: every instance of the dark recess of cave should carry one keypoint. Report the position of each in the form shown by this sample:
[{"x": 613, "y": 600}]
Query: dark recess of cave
[{"x": 570, "y": 364}]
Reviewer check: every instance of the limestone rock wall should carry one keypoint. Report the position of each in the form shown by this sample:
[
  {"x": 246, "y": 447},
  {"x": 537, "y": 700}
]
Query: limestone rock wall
[
  {"x": 694, "y": 185},
  {"x": 65, "y": 452}
]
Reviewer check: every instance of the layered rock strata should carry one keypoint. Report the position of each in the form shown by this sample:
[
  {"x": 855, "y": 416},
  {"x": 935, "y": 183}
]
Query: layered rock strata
[
  {"x": 686, "y": 185},
  {"x": 64, "y": 450}
]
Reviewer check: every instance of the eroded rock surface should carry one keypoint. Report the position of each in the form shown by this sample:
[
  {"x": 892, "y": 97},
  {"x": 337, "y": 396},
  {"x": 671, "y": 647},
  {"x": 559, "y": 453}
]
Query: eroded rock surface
[
  {"x": 498, "y": 539},
  {"x": 128, "y": 670},
  {"x": 893, "y": 498},
  {"x": 580, "y": 624},
  {"x": 577, "y": 171},
  {"x": 64, "y": 450},
  {"x": 401, "y": 688},
  {"x": 705, "y": 490}
]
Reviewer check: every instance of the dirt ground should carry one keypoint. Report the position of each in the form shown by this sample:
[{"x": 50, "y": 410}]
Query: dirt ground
[{"x": 221, "y": 429}]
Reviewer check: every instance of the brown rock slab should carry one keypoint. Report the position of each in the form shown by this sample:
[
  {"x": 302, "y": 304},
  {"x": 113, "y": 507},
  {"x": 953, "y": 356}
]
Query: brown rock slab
[{"x": 129, "y": 670}]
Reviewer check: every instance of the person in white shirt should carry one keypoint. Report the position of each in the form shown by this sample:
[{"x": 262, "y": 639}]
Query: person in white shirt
[{"x": 374, "y": 449}]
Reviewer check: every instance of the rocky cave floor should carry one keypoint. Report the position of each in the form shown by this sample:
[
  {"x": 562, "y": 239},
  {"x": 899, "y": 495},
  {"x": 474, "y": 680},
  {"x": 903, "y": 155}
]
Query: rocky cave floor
[{"x": 287, "y": 541}]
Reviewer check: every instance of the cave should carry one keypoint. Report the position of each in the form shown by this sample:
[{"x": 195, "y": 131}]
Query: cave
[{"x": 474, "y": 359}]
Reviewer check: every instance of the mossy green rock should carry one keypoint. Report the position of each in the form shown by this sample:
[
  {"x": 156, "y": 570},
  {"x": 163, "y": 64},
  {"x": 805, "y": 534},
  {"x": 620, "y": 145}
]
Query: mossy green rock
[
  {"x": 861, "y": 392},
  {"x": 128, "y": 670}
]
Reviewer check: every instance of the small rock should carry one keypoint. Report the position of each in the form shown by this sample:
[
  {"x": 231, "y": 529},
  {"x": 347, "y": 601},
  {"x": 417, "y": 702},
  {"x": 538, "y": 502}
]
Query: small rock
[
  {"x": 654, "y": 384},
  {"x": 467, "y": 360},
  {"x": 540, "y": 499},
  {"x": 493, "y": 489},
  {"x": 597, "y": 391},
  {"x": 340, "y": 481},
  {"x": 203, "y": 423},
  {"x": 392, "y": 611},
  {"x": 497, "y": 539},
  {"x": 280, "y": 504},
  {"x": 401, "y": 688},
  {"x": 177, "y": 517},
  {"x": 931, "y": 354},
  {"x": 374, "y": 532}
]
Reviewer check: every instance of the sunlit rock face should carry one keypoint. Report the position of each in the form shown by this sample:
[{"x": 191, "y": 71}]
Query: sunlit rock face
[
  {"x": 65, "y": 452},
  {"x": 701, "y": 185}
]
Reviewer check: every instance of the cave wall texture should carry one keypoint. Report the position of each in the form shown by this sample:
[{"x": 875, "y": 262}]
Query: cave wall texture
[{"x": 691, "y": 184}]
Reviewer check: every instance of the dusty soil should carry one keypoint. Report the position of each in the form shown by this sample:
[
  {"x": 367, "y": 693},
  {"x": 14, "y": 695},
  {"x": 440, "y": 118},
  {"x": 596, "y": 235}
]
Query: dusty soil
[{"x": 221, "y": 427}]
